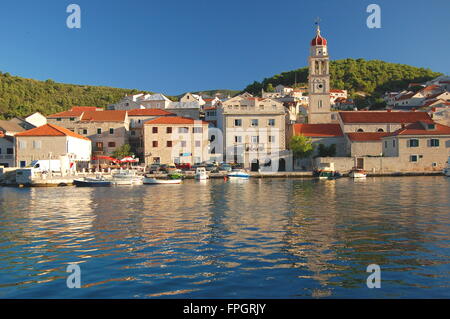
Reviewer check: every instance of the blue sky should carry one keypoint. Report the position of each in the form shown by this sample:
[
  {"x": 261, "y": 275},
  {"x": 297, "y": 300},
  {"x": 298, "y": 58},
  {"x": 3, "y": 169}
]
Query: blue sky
[{"x": 178, "y": 46}]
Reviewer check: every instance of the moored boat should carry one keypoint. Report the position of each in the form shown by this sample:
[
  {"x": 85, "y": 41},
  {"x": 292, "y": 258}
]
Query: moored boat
[
  {"x": 153, "y": 181},
  {"x": 200, "y": 174},
  {"x": 238, "y": 173},
  {"x": 357, "y": 173},
  {"x": 92, "y": 182}
]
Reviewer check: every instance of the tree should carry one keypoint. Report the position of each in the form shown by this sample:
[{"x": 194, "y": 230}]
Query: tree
[
  {"x": 270, "y": 88},
  {"x": 123, "y": 151},
  {"x": 301, "y": 146}
]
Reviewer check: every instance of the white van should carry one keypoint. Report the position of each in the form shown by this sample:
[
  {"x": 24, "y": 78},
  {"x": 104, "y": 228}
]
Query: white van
[{"x": 46, "y": 166}]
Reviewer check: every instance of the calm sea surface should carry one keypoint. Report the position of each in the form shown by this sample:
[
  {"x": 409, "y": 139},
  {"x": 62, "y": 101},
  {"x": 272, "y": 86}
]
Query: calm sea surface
[{"x": 272, "y": 238}]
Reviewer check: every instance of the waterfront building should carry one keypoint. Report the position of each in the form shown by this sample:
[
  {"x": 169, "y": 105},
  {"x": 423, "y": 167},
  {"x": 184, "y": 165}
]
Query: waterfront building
[
  {"x": 422, "y": 146},
  {"x": 51, "y": 142},
  {"x": 189, "y": 97},
  {"x": 175, "y": 139},
  {"x": 253, "y": 131},
  {"x": 137, "y": 118}
]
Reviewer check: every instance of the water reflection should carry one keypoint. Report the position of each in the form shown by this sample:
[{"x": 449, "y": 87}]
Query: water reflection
[{"x": 256, "y": 238}]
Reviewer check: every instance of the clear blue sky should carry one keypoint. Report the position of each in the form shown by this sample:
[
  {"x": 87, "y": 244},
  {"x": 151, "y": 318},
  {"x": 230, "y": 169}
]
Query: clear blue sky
[{"x": 179, "y": 45}]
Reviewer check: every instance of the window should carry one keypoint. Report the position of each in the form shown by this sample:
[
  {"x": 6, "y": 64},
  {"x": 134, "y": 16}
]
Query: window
[
  {"x": 431, "y": 126},
  {"x": 169, "y": 144},
  {"x": 255, "y": 139},
  {"x": 111, "y": 144},
  {"x": 168, "y": 130},
  {"x": 84, "y": 131},
  {"x": 198, "y": 143},
  {"x": 434, "y": 142},
  {"x": 197, "y": 130},
  {"x": 22, "y": 145},
  {"x": 72, "y": 119},
  {"x": 413, "y": 158},
  {"x": 154, "y": 130},
  {"x": 271, "y": 122},
  {"x": 182, "y": 130},
  {"x": 254, "y": 122},
  {"x": 360, "y": 130},
  {"x": 58, "y": 119},
  {"x": 37, "y": 145},
  {"x": 237, "y": 122},
  {"x": 183, "y": 143},
  {"x": 0, "y": 150},
  {"x": 111, "y": 131},
  {"x": 23, "y": 163},
  {"x": 155, "y": 143},
  {"x": 133, "y": 133},
  {"x": 393, "y": 143},
  {"x": 272, "y": 139},
  {"x": 320, "y": 101},
  {"x": 385, "y": 144},
  {"x": 413, "y": 142},
  {"x": 99, "y": 131},
  {"x": 380, "y": 130},
  {"x": 238, "y": 139},
  {"x": 9, "y": 150}
]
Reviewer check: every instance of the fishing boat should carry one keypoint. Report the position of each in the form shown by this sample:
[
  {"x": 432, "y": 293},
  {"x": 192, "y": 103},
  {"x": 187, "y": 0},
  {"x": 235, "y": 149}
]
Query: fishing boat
[
  {"x": 327, "y": 171},
  {"x": 126, "y": 177},
  {"x": 357, "y": 173},
  {"x": 92, "y": 182},
  {"x": 200, "y": 174},
  {"x": 238, "y": 173}
]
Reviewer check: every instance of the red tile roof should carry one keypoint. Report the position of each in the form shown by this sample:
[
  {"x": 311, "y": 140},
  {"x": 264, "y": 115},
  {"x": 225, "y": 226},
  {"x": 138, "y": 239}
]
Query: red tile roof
[
  {"x": 419, "y": 129},
  {"x": 75, "y": 111},
  {"x": 174, "y": 120},
  {"x": 210, "y": 108},
  {"x": 366, "y": 136},
  {"x": 384, "y": 117},
  {"x": 406, "y": 96},
  {"x": 318, "y": 130},
  {"x": 337, "y": 91},
  {"x": 149, "y": 112},
  {"x": 51, "y": 130},
  {"x": 104, "y": 116}
]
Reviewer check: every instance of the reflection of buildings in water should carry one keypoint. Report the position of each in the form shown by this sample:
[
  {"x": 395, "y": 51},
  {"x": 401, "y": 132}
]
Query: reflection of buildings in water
[{"x": 311, "y": 232}]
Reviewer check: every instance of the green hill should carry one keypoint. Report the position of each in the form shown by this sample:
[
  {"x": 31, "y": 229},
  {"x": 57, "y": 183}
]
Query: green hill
[
  {"x": 21, "y": 97},
  {"x": 360, "y": 77}
]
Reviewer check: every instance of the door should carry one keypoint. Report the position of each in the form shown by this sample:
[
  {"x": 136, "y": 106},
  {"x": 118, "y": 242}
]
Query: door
[{"x": 360, "y": 163}]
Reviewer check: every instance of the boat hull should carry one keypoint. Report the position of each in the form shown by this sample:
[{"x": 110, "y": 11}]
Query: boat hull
[
  {"x": 91, "y": 183},
  {"x": 155, "y": 181}
]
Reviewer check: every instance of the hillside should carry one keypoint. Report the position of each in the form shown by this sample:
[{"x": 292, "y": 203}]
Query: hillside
[
  {"x": 21, "y": 97},
  {"x": 360, "y": 77}
]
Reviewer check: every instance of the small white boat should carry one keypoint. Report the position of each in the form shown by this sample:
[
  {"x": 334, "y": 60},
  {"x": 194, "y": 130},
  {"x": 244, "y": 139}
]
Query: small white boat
[
  {"x": 200, "y": 174},
  {"x": 238, "y": 173},
  {"x": 357, "y": 173},
  {"x": 153, "y": 181},
  {"x": 126, "y": 178}
]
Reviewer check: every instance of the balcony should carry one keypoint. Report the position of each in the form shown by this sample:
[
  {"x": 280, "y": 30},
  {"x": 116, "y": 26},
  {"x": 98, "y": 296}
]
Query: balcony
[{"x": 254, "y": 147}]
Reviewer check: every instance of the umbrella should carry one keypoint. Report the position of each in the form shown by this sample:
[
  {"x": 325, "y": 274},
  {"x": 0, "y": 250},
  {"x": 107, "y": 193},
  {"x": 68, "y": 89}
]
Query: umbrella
[
  {"x": 108, "y": 158},
  {"x": 129, "y": 159}
]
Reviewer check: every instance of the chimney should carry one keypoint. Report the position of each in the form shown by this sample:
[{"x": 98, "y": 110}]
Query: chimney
[{"x": 403, "y": 125}]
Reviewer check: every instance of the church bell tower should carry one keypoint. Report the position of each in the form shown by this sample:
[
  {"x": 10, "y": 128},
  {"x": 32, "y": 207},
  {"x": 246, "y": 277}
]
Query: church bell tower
[{"x": 319, "y": 109}]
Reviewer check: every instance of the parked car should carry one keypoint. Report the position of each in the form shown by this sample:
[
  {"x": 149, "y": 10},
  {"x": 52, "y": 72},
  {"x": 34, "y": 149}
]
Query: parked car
[
  {"x": 211, "y": 167},
  {"x": 225, "y": 167},
  {"x": 184, "y": 166},
  {"x": 170, "y": 168},
  {"x": 154, "y": 168}
]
